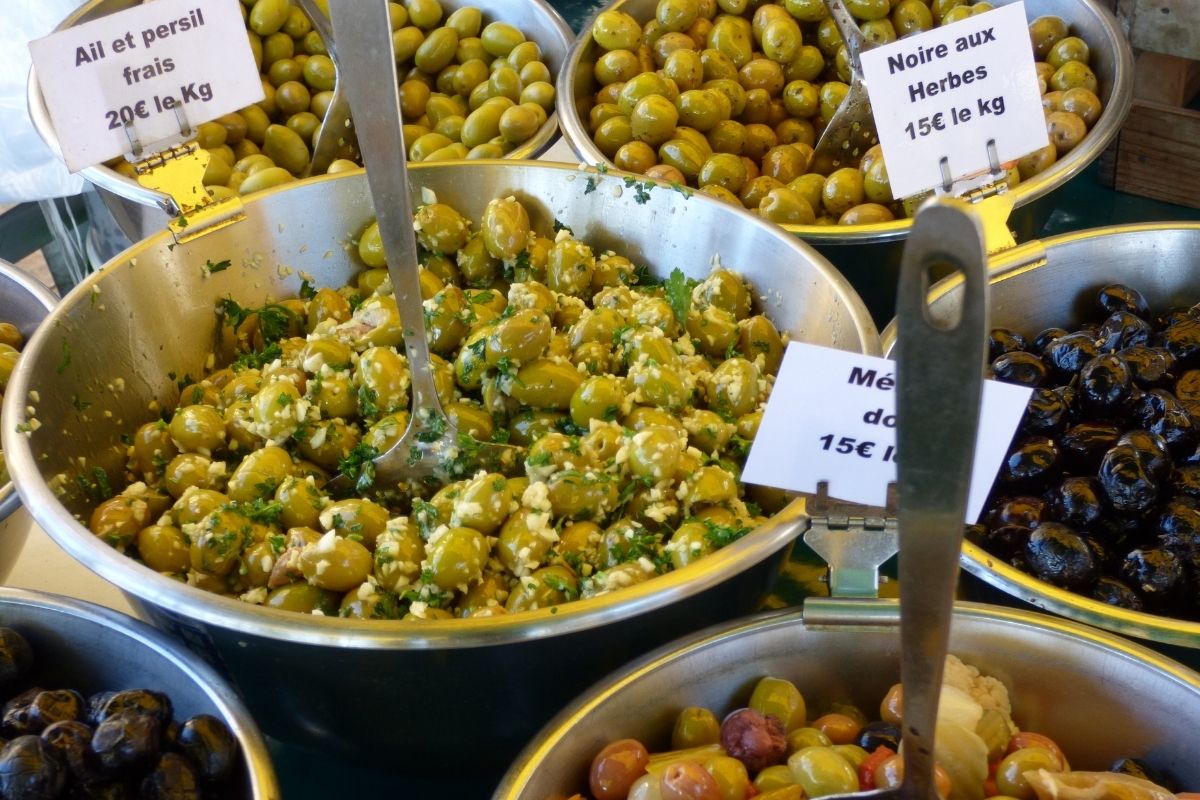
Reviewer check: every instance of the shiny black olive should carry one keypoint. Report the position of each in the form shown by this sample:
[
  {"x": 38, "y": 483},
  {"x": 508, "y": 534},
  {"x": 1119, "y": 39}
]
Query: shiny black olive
[
  {"x": 15, "y": 656},
  {"x": 15, "y": 720},
  {"x": 95, "y": 706},
  {"x": 1038, "y": 345},
  {"x": 143, "y": 701},
  {"x": 1119, "y": 531},
  {"x": 1140, "y": 769},
  {"x": 1034, "y": 459},
  {"x": 30, "y": 770},
  {"x": 1171, "y": 317},
  {"x": 1100, "y": 550},
  {"x": 211, "y": 746},
  {"x": 1019, "y": 367},
  {"x": 1104, "y": 384},
  {"x": 1183, "y": 341},
  {"x": 1179, "y": 531},
  {"x": 1150, "y": 367},
  {"x": 1119, "y": 297},
  {"x": 878, "y": 734},
  {"x": 173, "y": 778},
  {"x": 1066, "y": 355},
  {"x": 73, "y": 742},
  {"x": 1187, "y": 388},
  {"x": 126, "y": 740},
  {"x": 1046, "y": 413},
  {"x": 1152, "y": 450},
  {"x": 1007, "y": 541},
  {"x": 1122, "y": 330},
  {"x": 1025, "y": 511},
  {"x": 1057, "y": 554},
  {"x": 1076, "y": 502},
  {"x": 1156, "y": 573},
  {"x": 1084, "y": 445},
  {"x": 1125, "y": 480},
  {"x": 1112, "y": 591},
  {"x": 55, "y": 706},
  {"x": 1002, "y": 340},
  {"x": 1185, "y": 480}
]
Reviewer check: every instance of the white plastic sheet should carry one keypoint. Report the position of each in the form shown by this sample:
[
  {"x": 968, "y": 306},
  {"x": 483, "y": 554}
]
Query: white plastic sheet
[{"x": 28, "y": 169}]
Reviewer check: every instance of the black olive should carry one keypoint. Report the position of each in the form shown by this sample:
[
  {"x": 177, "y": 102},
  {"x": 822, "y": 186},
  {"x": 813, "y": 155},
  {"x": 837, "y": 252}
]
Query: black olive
[
  {"x": 15, "y": 656},
  {"x": 171, "y": 779},
  {"x": 1019, "y": 367},
  {"x": 1185, "y": 480},
  {"x": 1007, "y": 541},
  {"x": 1179, "y": 531},
  {"x": 1022, "y": 510},
  {"x": 73, "y": 742},
  {"x": 1104, "y": 384},
  {"x": 1038, "y": 345},
  {"x": 1140, "y": 769},
  {"x": 54, "y": 706},
  {"x": 1122, "y": 330},
  {"x": 1152, "y": 450},
  {"x": 1125, "y": 480},
  {"x": 976, "y": 534},
  {"x": 1034, "y": 459},
  {"x": 1171, "y": 317},
  {"x": 1112, "y": 591},
  {"x": 1183, "y": 341},
  {"x": 1076, "y": 502},
  {"x": 1150, "y": 367},
  {"x": 878, "y": 734},
  {"x": 211, "y": 746},
  {"x": 15, "y": 720},
  {"x": 1119, "y": 297},
  {"x": 144, "y": 701},
  {"x": 126, "y": 740},
  {"x": 30, "y": 770},
  {"x": 1118, "y": 530},
  {"x": 1156, "y": 573},
  {"x": 1066, "y": 355},
  {"x": 1002, "y": 340},
  {"x": 1059, "y": 555},
  {"x": 96, "y": 704},
  {"x": 1046, "y": 413}
]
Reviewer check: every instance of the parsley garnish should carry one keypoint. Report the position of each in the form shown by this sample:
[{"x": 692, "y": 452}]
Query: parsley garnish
[
  {"x": 260, "y": 510},
  {"x": 307, "y": 290},
  {"x": 562, "y": 226},
  {"x": 66, "y": 357},
  {"x": 720, "y": 535},
  {"x": 590, "y": 187},
  {"x": 434, "y": 429},
  {"x": 679, "y": 293},
  {"x": 359, "y": 465},
  {"x": 253, "y": 360},
  {"x": 80, "y": 405},
  {"x": 220, "y": 266}
]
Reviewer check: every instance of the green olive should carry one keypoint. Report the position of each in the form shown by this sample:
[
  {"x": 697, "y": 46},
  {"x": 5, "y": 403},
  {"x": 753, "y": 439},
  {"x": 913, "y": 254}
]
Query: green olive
[
  {"x": 268, "y": 16},
  {"x": 456, "y": 558},
  {"x": 335, "y": 563},
  {"x": 499, "y": 38},
  {"x": 425, "y": 14},
  {"x": 545, "y": 588},
  {"x": 441, "y": 228},
  {"x": 1037, "y": 161},
  {"x": 695, "y": 727},
  {"x": 303, "y": 598},
  {"x": 569, "y": 267},
  {"x": 822, "y": 771},
  {"x": 1045, "y": 32},
  {"x": 119, "y": 519},
  {"x": 1074, "y": 74},
  {"x": 546, "y": 384},
  {"x": 911, "y": 16},
  {"x": 259, "y": 474},
  {"x": 505, "y": 227},
  {"x": 518, "y": 339},
  {"x": 164, "y": 548},
  {"x": 616, "y": 30},
  {"x": 1066, "y": 130},
  {"x": 1069, "y": 48},
  {"x": 197, "y": 429},
  {"x": 732, "y": 37},
  {"x": 1010, "y": 774}
]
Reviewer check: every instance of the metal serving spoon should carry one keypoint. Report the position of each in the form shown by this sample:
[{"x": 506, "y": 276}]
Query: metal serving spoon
[
  {"x": 851, "y": 132},
  {"x": 431, "y": 447},
  {"x": 939, "y": 382},
  {"x": 337, "y": 129}
]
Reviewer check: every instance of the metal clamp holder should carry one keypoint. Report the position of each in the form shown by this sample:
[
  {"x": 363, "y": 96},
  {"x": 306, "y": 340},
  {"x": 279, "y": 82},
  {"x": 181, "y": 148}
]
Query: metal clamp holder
[
  {"x": 854, "y": 540},
  {"x": 178, "y": 172}
]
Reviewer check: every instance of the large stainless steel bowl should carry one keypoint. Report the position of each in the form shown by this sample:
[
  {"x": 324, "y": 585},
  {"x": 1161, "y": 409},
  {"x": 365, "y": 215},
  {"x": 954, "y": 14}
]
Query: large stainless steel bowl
[
  {"x": 423, "y": 693},
  {"x": 866, "y": 254},
  {"x": 1052, "y": 283},
  {"x": 1098, "y": 696},
  {"x": 140, "y": 212},
  {"x": 25, "y": 303},
  {"x": 83, "y": 646}
]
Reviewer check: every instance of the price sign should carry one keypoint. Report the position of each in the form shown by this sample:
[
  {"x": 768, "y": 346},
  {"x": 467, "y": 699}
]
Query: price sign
[
  {"x": 132, "y": 72},
  {"x": 948, "y": 92},
  {"x": 832, "y": 417}
]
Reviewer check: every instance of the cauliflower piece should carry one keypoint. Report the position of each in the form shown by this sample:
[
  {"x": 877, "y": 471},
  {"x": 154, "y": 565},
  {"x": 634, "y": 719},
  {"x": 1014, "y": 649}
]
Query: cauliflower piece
[{"x": 989, "y": 692}]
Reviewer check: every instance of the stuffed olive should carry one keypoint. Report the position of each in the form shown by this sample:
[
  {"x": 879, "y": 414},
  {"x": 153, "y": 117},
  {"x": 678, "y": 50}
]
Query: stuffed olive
[
  {"x": 634, "y": 401},
  {"x": 731, "y": 97}
]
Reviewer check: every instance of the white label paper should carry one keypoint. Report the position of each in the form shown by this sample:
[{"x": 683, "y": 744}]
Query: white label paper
[
  {"x": 832, "y": 417},
  {"x": 948, "y": 91},
  {"x": 135, "y": 67}
]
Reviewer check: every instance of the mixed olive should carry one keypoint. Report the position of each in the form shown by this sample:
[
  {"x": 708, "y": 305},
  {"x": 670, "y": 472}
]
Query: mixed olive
[
  {"x": 774, "y": 749},
  {"x": 59, "y": 743},
  {"x": 635, "y": 402},
  {"x": 470, "y": 88},
  {"x": 731, "y": 96},
  {"x": 1100, "y": 493},
  {"x": 11, "y": 342}
]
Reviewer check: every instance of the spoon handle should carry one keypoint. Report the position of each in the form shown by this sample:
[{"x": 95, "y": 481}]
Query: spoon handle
[
  {"x": 368, "y": 67},
  {"x": 939, "y": 376}
]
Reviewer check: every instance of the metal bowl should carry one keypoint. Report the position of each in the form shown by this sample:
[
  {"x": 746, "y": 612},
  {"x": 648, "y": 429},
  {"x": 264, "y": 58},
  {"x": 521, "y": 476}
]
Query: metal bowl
[
  {"x": 361, "y": 686},
  {"x": 1051, "y": 283},
  {"x": 866, "y": 253},
  {"x": 25, "y": 303},
  {"x": 90, "y": 648},
  {"x": 140, "y": 212},
  {"x": 1098, "y": 696}
]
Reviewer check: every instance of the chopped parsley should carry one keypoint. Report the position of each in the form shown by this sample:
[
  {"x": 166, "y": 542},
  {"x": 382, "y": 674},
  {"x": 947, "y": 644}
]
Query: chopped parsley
[
  {"x": 359, "y": 464},
  {"x": 678, "y": 288},
  {"x": 66, "y": 357},
  {"x": 721, "y": 535},
  {"x": 219, "y": 266},
  {"x": 307, "y": 290}
]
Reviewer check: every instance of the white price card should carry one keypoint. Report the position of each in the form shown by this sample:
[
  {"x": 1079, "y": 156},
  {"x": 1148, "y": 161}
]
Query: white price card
[
  {"x": 138, "y": 69},
  {"x": 832, "y": 417},
  {"x": 949, "y": 91}
]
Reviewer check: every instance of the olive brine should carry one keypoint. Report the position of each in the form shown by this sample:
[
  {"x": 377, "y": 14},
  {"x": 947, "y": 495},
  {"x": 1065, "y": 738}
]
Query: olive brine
[
  {"x": 635, "y": 402},
  {"x": 57, "y": 743},
  {"x": 1100, "y": 493}
]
